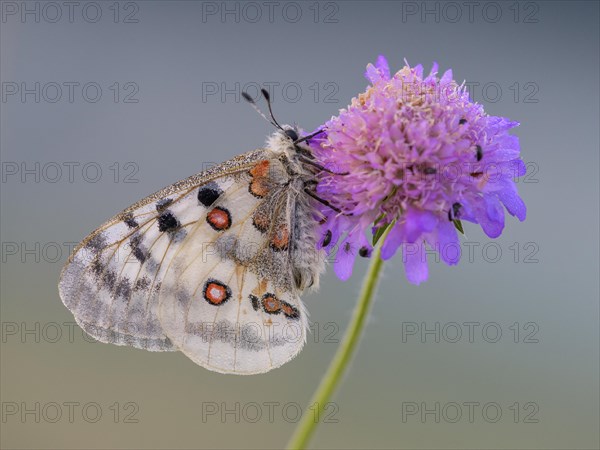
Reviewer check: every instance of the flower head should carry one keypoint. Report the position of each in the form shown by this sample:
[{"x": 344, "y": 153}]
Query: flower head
[{"x": 413, "y": 155}]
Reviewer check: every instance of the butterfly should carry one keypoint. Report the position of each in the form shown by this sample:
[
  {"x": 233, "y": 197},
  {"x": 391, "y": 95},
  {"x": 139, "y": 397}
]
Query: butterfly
[{"x": 212, "y": 266}]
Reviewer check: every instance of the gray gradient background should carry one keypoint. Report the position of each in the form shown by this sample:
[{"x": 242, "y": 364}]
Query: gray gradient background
[{"x": 171, "y": 132}]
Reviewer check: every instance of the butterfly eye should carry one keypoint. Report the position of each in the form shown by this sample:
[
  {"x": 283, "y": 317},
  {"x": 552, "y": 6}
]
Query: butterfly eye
[{"x": 291, "y": 134}]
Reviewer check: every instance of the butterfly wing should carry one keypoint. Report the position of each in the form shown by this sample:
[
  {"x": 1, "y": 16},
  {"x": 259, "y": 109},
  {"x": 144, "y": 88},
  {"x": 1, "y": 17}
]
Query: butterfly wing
[
  {"x": 236, "y": 308},
  {"x": 112, "y": 279},
  {"x": 202, "y": 266}
]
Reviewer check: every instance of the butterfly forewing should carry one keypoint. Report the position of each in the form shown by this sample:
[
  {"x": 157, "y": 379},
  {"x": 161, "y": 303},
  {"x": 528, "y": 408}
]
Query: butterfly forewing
[{"x": 203, "y": 266}]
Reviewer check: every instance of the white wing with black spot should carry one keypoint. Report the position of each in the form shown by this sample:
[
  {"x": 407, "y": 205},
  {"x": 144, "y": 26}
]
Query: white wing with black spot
[{"x": 204, "y": 266}]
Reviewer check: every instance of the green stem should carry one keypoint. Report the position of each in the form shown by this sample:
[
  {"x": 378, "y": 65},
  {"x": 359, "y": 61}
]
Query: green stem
[{"x": 342, "y": 358}]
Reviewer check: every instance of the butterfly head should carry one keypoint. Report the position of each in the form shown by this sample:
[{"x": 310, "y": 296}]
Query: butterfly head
[
  {"x": 291, "y": 133},
  {"x": 284, "y": 140}
]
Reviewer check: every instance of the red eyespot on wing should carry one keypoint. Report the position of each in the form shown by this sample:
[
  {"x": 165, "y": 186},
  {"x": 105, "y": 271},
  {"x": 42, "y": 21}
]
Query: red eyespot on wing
[
  {"x": 219, "y": 218},
  {"x": 215, "y": 292},
  {"x": 271, "y": 304},
  {"x": 290, "y": 311}
]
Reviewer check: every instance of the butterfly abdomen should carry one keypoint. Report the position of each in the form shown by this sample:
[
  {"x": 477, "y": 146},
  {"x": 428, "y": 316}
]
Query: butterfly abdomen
[{"x": 308, "y": 261}]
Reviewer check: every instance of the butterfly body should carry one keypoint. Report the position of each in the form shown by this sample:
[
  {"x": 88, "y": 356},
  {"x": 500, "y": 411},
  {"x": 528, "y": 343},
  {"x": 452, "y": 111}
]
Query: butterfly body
[{"x": 213, "y": 265}]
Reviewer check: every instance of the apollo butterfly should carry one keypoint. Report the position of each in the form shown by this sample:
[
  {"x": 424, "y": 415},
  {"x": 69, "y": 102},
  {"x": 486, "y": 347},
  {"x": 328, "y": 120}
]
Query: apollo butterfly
[{"x": 212, "y": 266}]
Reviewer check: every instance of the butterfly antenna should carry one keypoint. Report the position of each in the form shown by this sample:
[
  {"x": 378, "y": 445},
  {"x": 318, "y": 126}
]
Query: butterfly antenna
[
  {"x": 267, "y": 96},
  {"x": 253, "y": 104}
]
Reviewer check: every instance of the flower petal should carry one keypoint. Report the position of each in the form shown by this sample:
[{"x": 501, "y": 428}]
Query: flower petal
[
  {"x": 378, "y": 72},
  {"x": 383, "y": 67},
  {"x": 446, "y": 78},
  {"x": 392, "y": 242},
  {"x": 434, "y": 69},
  {"x": 415, "y": 263},
  {"x": 346, "y": 255},
  {"x": 418, "y": 222},
  {"x": 419, "y": 70},
  {"x": 490, "y": 216},
  {"x": 447, "y": 240},
  {"x": 511, "y": 200},
  {"x": 344, "y": 264}
]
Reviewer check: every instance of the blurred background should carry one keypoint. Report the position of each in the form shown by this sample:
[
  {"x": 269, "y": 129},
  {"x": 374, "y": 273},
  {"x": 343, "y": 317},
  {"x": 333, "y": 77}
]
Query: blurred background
[{"x": 106, "y": 102}]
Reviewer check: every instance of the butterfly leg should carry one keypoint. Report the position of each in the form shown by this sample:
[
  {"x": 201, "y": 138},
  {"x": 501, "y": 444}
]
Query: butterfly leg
[
  {"x": 320, "y": 200},
  {"x": 319, "y": 166}
]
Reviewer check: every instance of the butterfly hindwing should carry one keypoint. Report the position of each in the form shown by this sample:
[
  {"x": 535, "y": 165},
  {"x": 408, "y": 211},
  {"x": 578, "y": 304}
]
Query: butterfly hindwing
[{"x": 236, "y": 310}]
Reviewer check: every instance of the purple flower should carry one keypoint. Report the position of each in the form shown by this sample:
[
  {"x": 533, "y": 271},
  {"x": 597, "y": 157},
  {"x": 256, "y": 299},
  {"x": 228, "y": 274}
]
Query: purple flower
[{"x": 413, "y": 155}]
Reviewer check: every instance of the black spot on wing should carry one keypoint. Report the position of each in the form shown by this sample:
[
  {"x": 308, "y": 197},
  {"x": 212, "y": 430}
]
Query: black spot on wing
[
  {"x": 209, "y": 193},
  {"x": 167, "y": 222},
  {"x": 123, "y": 288},
  {"x": 136, "y": 248},
  {"x": 109, "y": 279},
  {"x": 96, "y": 243},
  {"x": 130, "y": 221},
  {"x": 139, "y": 254},
  {"x": 163, "y": 204},
  {"x": 142, "y": 284},
  {"x": 97, "y": 266},
  {"x": 255, "y": 302}
]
